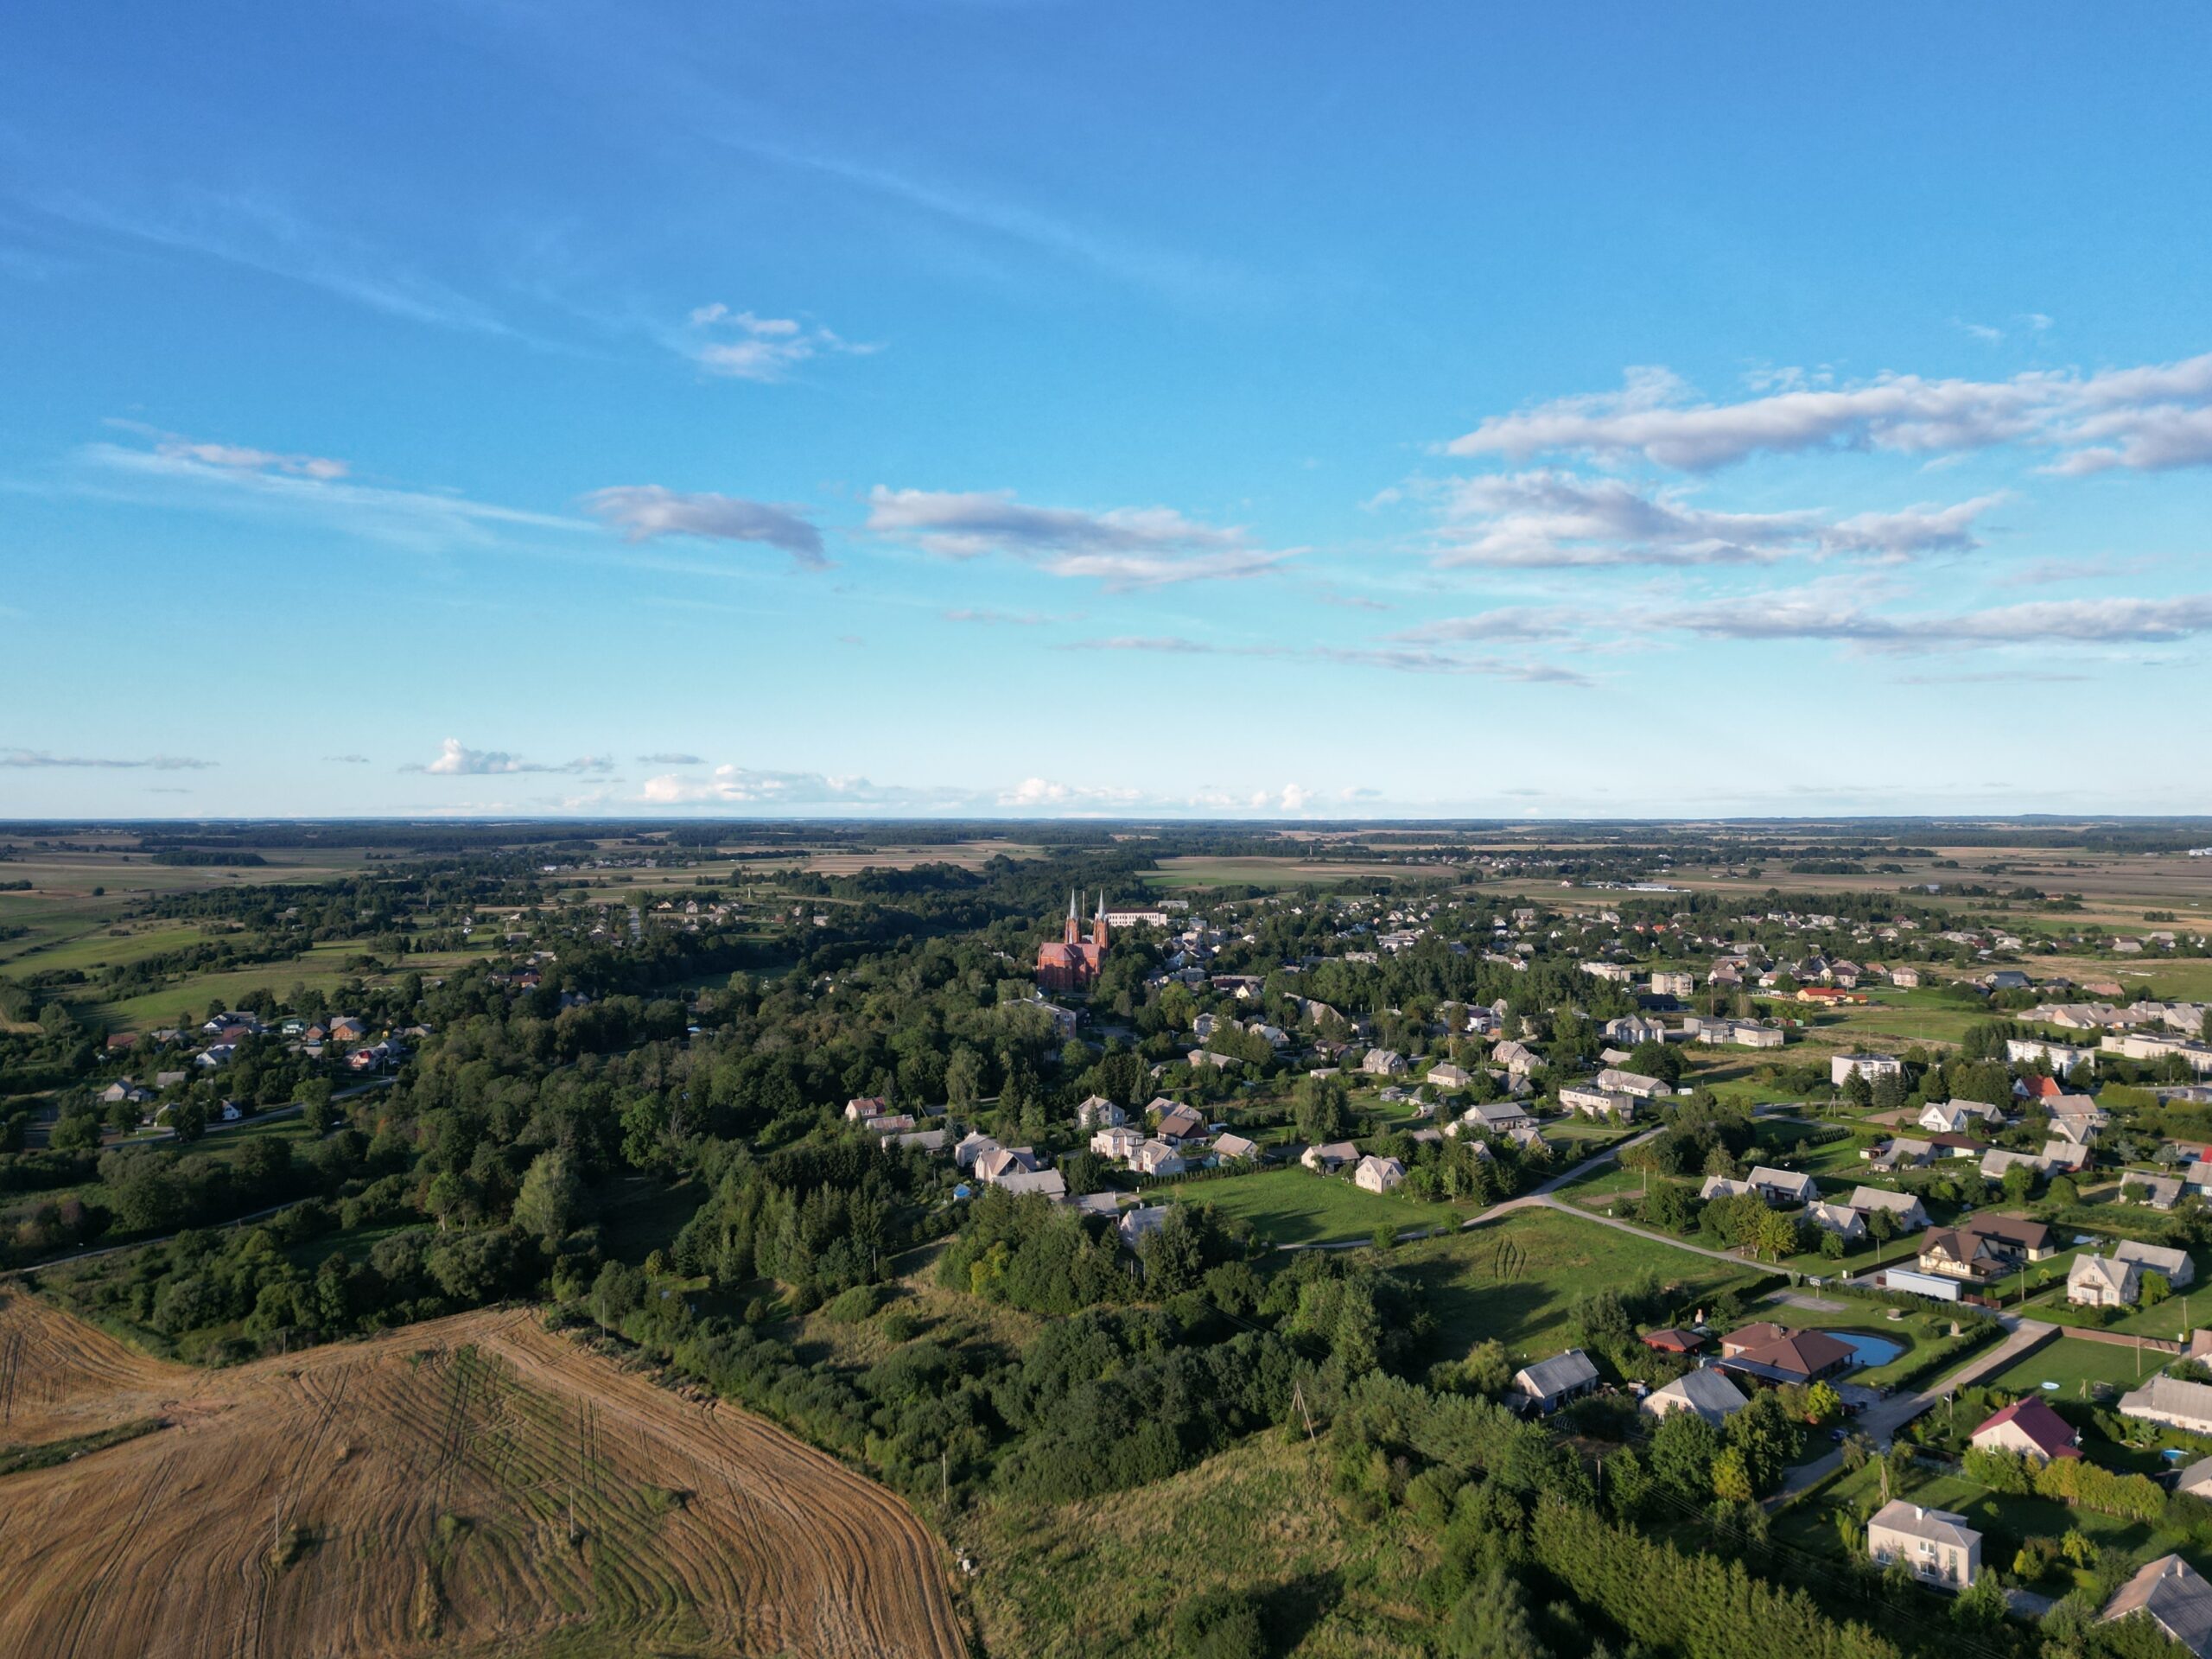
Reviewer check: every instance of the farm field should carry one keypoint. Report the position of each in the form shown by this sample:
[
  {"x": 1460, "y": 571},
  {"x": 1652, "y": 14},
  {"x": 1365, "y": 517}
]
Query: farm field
[
  {"x": 421, "y": 1484},
  {"x": 1515, "y": 1278},
  {"x": 1297, "y": 1206},
  {"x": 1177, "y": 873},
  {"x": 322, "y": 968}
]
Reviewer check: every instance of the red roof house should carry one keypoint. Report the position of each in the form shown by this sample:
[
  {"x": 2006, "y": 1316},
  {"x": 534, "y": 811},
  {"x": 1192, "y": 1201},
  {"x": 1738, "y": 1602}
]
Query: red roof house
[{"x": 2031, "y": 1428}]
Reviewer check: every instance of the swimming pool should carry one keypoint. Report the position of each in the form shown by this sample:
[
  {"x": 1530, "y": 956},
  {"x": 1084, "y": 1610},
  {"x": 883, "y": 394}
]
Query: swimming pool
[{"x": 1872, "y": 1351}]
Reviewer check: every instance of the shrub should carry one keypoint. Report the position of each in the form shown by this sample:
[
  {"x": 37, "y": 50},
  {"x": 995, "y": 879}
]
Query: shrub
[{"x": 1220, "y": 1624}]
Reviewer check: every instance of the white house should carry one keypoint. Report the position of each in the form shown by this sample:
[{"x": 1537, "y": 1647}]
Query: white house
[
  {"x": 2173, "y": 1596},
  {"x": 1448, "y": 1077},
  {"x": 1838, "y": 1218},
  {"x": 1157, "y": 1157},
  {"x": 1383, "y": 1063},
  {"x": 2103, "y": 1282},
  {"x": 2170, "y": 1400},
  {"x": 1614, "y": 1081},
  {"x": 1329, "y": 1157},
  {"x": 1378, "y": 1174},
  {"x": 1937, "y": 1545},
  {"x": 1872, "y": 1067},
  {"x": 1119, "y": 1143},
  {"x": 1784, "y": 1186},
  {"x": 1911, "y": 1215},
  {"x": 1099, "y": 1113}
]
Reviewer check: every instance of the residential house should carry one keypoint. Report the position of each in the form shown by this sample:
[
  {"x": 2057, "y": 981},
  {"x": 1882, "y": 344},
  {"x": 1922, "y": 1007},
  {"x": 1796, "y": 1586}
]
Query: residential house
[
  {"x": 1550, "y": 1383},
  {"x": 1720, "y": 1186},
  {"x": 1383, "y": 1063},
  {"x": 865, "y": 1106},
  {"x": 1630, "y": 1029},
  {"x": 1045, "y": 1182},
  {"x": 1900, "y": 1153},
  {"x": 2063, "y": 1059},
  {"x": 1135, "y": 1225},
  {"x": 1705, "y": 1391},
  {"x": 1612, "y": 1080},
  {"x": 2196, "y": 1480},
  {"x": 1997, "y": 1161},
  {"x": 2064, "y": 1156},
  {"x": 1230, "y": 1149},
  {"x": 993, "y": 1166},
  {"x": 1957, "y": 1253},
  {"x": 1959, "y": 1116},
  {"x": 1180, "y": 1125},
  {"x": 1774, "y": 1353},
  {"x": 1097, "y": 1112},
  {"x": 1780, "y": 1186},
  {"x": 2171, "y": 1402},
  {"x": 1378, "y": 1174},
  {"x": 2017, "y": 1237},
  {"x": 1517, "y": 1058},
  {"x": 1672, "y": 1340},
  {"x": 2159, "y": 1192},
  {"x": 1497, "y": 1118},
  {"x": 923, "y": 1140},
  {"x": 2173, "y": 1596},
  {"x": 1674, "y": 982},
  {"x": 1938, "y": 1546},
  {"x": 1838, "y": 1218},
  {"x": 1905, "y": 1206},
  {"x": 2174, "y": 1265},
  {"x": 1872, "y": 1067},
  {"x": 1598, "y": 1103},
  {"x": 2031, "y": 1428},
  {"x": 1158, "y": 1157},
  {"x": 1119, "y": 1143},
  {"x": 1448, "y": 1077},
  {"x": 2103, "y": 1282},
  {"x": 1329, "y": 1157}
]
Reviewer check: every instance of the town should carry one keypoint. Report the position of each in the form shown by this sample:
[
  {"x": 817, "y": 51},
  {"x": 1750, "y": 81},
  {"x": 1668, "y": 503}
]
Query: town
[{"x": 1845, "y": 1235}]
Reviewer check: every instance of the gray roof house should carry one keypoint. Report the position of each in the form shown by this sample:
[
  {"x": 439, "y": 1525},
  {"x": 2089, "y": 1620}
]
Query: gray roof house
[
  {"x": 2176, "y": 1265},
  {"x": 1911, "y": 1215},
  {"x": 2175, "y": 1597},
  {"x": 1705, "y": 1391},
  {"x": 2170, "y": 1400},
  {"x": 1550, "y": 1383}
]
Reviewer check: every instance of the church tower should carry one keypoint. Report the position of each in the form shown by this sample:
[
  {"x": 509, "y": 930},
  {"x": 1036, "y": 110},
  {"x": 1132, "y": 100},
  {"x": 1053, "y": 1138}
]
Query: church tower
[
  {"x": 1072, "y": 933},
  {"x": 1100, "y": 934}
]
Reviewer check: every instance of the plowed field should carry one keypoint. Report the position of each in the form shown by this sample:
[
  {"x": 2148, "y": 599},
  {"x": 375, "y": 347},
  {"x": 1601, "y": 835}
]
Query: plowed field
[{"x": 414, "y": 1494}]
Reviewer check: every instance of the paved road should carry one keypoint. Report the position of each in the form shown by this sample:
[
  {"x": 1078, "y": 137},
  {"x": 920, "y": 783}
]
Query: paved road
[{"x": 1881, "y": 1422}]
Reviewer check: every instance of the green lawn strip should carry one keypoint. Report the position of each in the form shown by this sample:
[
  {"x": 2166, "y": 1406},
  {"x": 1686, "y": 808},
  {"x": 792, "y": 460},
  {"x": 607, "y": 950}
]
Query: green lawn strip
[
  {"x": 2072, "y": 1361},
  {"x": 1298, "y": 1206}
]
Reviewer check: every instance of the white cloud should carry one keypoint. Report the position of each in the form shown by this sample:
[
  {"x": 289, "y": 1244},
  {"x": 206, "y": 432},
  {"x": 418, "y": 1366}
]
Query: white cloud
[
  {"x": 745, "y": 346},
  {"x": 1559, "y": 520},
  {"x": 240, "y": 458},
  {"x": 1121, "y": 547},
  {"x": 2146, "y": 417},
  {"x": 456, "y": 759},
  {"x": 1397, "y": 660},
  {"x": 1804, "y": 615},
  {"x": 644, "y": 510},
  {"x": 668, "y": 760},
  {"x": 738, "y": 785},
  {"x": 40, "y": 760},
  {"x": 1040, "y": 791}
]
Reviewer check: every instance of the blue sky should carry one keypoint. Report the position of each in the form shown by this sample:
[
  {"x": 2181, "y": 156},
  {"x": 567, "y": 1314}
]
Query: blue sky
[{"x": 1077, "y": 408}]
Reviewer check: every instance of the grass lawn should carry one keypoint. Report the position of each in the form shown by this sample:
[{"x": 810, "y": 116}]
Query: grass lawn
[
  {"x": 2070, "y": 1362},
  {"x": 1101, "y": 1580},
  {"x": 1515, "y": 1278},
  {"x": 94, "y": 945},
  {"x": 1297, "y": 1206},
  {"x": 322, "y": 967},
  {"x": 2003, "y": 1521},
  {"x": 2170, "y": 1321}
]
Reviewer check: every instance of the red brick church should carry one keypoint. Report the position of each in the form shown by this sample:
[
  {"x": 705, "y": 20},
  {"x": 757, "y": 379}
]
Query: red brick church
[{"x": 1071, "y": 963}]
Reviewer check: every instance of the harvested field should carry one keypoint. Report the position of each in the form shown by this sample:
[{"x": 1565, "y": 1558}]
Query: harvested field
[{"x": 412, "y": 1495}]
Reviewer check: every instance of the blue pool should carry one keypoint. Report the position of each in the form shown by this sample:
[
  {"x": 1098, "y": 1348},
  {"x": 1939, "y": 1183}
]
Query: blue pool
[{"x": 1872, "y": 1351}]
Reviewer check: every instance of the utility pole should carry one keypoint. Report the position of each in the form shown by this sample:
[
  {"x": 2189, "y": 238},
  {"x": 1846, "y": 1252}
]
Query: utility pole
[{"x": 945, "y": 1477}]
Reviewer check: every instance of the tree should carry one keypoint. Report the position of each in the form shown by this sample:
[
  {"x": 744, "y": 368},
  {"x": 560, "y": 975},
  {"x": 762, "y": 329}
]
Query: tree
[
  {"x": 546, "y": 1207},
  {"x": 1732, "y": 1478},
  {"x": 1681, "y": 1457},
  {"x": 1220, "y": 1624},
  {"x": 1321, "y": 1107},
  {"x": 315, "y": 1108},
  {"x": 1492, "y": 1621}
]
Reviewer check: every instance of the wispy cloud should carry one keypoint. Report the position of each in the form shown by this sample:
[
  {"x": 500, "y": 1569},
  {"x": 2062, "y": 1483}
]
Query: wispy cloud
[
  {"x": 1123, "y": 258},
  {"x": 990, "y": 617},
  {"x": 347, "y": 759},
  {"x": 642, "y": 512},
  {"x": 456, "y": 759},
  {"x": 736, "y": 785},
  {"x": 256, "y": 232},
  {"x": 2146, "y": 418},
  {"x": 1123, "y": 547},
  {"x": 746, "y": 346},
  {"x": 1553, "y": 520},
  {"x": 1396, "y": 659},
  {"x": 40, "y": 760},
  {"x": 1801, "y": 616},
  {"x": 668, "y": 760}
]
